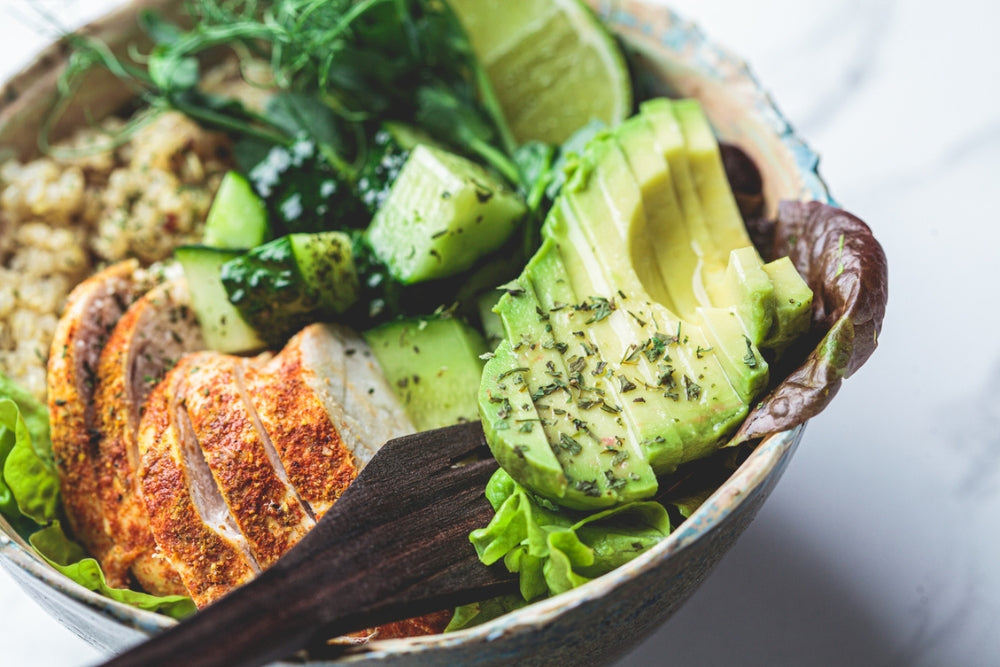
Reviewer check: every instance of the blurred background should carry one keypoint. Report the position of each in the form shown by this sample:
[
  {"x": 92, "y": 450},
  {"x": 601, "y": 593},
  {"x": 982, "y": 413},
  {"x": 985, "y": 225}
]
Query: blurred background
[{"x": 881, "y": 543}]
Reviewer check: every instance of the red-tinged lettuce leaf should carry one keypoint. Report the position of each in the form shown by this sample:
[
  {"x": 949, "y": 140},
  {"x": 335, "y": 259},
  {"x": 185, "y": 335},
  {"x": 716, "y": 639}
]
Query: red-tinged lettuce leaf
[
  {"x": 744, "y": 180},
  {"x": 846, "y": 268}
]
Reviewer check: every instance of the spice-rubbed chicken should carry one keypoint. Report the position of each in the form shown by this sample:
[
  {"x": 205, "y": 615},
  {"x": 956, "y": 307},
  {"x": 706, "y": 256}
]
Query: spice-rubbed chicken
[
  {"x": 239, "y": 457},
  {"x": 92, "y": 310},
  {"x": 244, "y": 465},
  {"x": 192, "y": 471},
  {"x": 324, "y": 370},
  {"x": 152, "y": 335}
]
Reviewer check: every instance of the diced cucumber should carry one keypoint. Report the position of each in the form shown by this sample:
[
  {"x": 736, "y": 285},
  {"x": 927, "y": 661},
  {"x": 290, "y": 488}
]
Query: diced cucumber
[
  {"x": 238, "y": 217},
  {"x": 434, "y": 366},
  {"x": 287, "y": 283},
  {"x": 223, "y": 327},
  {"x": 442, "y": 214},
  {"x": 390, "y": 148}
]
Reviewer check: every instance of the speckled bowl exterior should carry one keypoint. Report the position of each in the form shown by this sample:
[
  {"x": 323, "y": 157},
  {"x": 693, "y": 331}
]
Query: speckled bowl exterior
[{"x": 603, "y": 619}]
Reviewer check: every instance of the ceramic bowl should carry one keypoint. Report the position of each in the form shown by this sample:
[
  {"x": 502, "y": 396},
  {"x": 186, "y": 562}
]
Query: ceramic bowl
[{"x": 606, "y": 617}]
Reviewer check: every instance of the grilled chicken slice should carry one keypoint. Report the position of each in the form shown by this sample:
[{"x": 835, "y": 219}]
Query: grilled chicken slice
[
  {"x": 92, "y": 310},
  {"x": 323, "y": 437},
  {"x": 242, "y": 458},
  {"x": 153, "y": 334},
  {"x": 339, "y": 367},
  {"x": 187, "y": 514}
]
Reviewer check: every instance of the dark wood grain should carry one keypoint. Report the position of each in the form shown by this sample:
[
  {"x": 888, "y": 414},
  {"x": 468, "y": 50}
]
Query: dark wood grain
[{"x": 395, "y": 545}]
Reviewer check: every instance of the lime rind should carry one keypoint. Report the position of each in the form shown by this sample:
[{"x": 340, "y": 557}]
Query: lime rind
[{"x": 553, "y": 65}]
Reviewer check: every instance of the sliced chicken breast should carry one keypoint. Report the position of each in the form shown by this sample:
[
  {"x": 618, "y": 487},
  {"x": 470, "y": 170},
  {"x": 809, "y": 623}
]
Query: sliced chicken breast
[
  {"x": 91, "y": 312},
  {"x": 148, "y": 340},
  {"x": 247, "y": 469},
  {"x": 188, "y": 516},
  {"x": 340, "y": 369},
  {"x": 301, "y": 405}
]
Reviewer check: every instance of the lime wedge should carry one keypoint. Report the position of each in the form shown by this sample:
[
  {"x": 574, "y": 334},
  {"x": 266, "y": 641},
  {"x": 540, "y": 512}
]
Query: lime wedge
[{"x": 553, "y": 65}]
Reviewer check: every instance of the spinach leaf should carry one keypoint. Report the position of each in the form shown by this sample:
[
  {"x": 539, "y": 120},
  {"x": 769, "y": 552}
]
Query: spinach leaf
[{"x": 363, "y": 60}]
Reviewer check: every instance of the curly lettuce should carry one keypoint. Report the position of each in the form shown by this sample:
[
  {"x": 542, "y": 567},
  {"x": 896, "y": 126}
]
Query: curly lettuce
[
  {"x": 29, "y": 501},
  {"x": 554, "y": 550}
]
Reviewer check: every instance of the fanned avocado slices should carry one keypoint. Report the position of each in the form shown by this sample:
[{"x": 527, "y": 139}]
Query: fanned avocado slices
[{"x": 633, "y": 337}]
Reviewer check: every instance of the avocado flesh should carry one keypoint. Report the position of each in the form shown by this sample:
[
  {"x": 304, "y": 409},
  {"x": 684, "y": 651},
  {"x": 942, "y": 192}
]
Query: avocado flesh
[
  {"x": 658, "y": 318},
  {"x": 793, "y": 303},
  {"x": 682, "y": 131},
  {"x": 673, "y": 251},
  {"x": 709, "y": 175},
  {"x": 668, "y": 137},
  {"x": 748, "y": 289},
  {"x": 560, "y": 425},
  {"x": 670, "y": 434}
]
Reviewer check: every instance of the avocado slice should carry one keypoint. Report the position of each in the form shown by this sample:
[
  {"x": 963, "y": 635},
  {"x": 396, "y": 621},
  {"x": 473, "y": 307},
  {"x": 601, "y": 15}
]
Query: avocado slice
[
  {"x": 632, "y": 337},
  {"x": 793, "y": 304}
]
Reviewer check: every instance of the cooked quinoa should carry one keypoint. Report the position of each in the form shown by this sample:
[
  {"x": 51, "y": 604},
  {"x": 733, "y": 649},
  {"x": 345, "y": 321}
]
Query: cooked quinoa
[{"x": 63, "y": 215}]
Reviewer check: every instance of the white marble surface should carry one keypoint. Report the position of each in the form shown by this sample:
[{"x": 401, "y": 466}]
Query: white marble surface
[{"x": 880, "y": 544}]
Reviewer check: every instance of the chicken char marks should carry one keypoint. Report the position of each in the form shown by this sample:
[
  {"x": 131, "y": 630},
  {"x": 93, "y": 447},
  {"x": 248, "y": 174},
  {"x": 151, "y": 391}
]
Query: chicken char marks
[
  {"x": 149, "y": 339},
  {"x": 92, "y": 310},
  {"x": 239, "y": 457}
]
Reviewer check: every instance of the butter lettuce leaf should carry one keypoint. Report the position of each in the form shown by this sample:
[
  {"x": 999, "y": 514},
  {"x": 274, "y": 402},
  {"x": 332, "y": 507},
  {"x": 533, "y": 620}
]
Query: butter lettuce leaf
[
  {"x": 30, "y": 483},
  {"x": 477, "y": 613},
  {"x": 67, "y": 557},
  {"x": 556, "y": 550},
  {"x": 30, "y": 502}
]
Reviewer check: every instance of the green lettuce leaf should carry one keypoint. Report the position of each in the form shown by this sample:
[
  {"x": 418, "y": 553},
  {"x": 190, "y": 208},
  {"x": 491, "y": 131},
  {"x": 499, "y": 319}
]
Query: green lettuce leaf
[
  {"x": 67, "y": 557},
  {"x": 30, "y": 483},
  {"x": 556, "y": 550},
  {"x": 29, "y": 500},
  {"x": 478, "y": 613}
]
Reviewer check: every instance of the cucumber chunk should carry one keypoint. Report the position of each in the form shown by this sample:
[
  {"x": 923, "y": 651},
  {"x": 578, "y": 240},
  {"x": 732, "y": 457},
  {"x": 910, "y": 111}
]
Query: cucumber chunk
[
  {"x": 238, "y": 217},
  {"x": 442, "y": 214},
  {"x": 222, "y": 325},
  {"x": 391, "y": 147},
  {"x": 283, "y": 285},
  {"x": 434, "y": 366}
]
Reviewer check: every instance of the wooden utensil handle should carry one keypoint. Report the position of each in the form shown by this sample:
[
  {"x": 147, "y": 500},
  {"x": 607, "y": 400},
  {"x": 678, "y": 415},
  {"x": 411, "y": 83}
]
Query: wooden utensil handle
[{"x": 394, "y": 546}]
